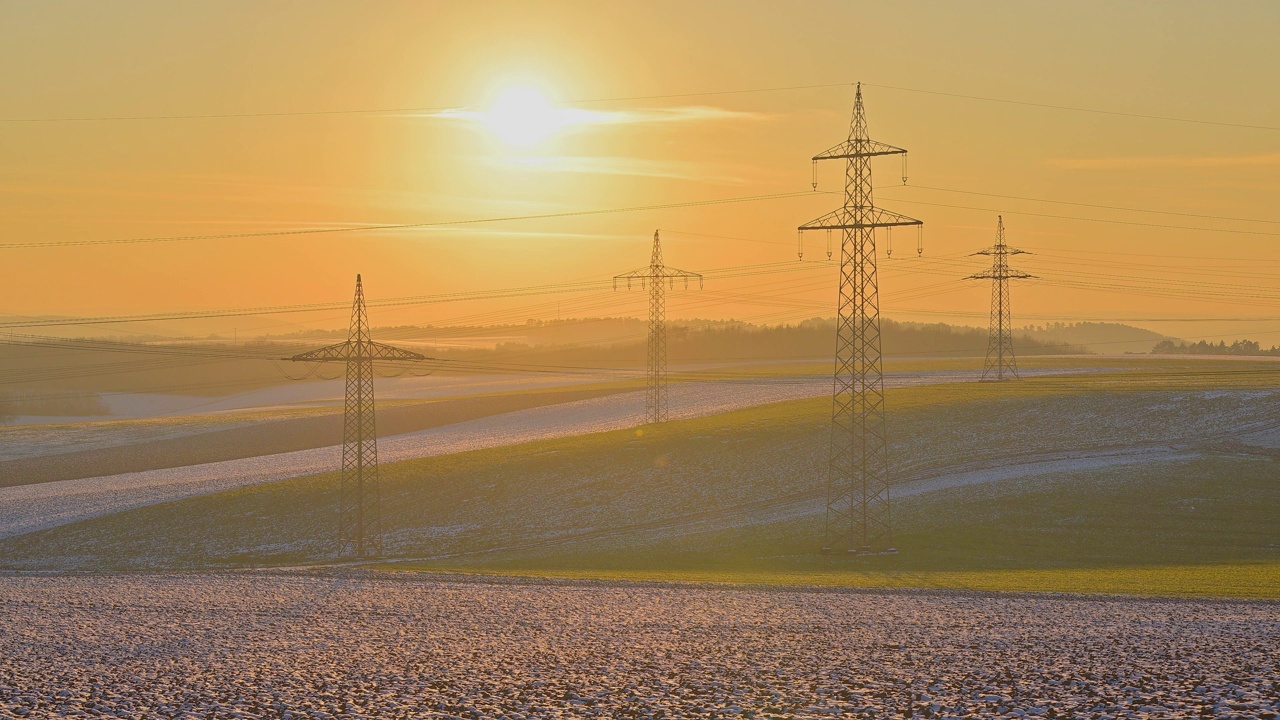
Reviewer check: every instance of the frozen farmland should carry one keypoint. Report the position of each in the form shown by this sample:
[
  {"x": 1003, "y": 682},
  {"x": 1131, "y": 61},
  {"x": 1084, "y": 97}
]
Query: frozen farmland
[{"x": 351, "y": 645}]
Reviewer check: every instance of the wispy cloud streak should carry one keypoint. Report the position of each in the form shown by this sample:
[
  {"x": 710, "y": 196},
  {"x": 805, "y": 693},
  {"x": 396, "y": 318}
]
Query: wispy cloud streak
[
  {"x": 636, "y": 167},
  {"x": 569, "y": 117}
]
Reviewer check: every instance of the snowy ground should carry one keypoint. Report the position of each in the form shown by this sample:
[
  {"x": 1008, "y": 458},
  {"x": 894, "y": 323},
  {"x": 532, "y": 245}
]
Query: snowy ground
[
  {"x": 295, "y": 645},
  {"x": 141, "y": 417},
  {"x": 331, "y": 392},
  {"x": 32, "y": 507}
]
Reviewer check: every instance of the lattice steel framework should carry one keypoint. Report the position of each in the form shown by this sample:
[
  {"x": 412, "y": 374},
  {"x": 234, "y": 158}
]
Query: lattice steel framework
[
  {"x": 658, "y": 277},
  {"x": 359, "y": 500},
  {"x": 1000, "y": 364},
  {"x": 858, "y": 518}
]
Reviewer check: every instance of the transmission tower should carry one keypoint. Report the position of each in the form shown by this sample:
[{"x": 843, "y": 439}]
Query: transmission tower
[
  {"x": 858, "y": 518},
  {"x": 359, "y": 511},
  {"x": 657, "y": 276},
  {"x": 1000, "y": 364}
]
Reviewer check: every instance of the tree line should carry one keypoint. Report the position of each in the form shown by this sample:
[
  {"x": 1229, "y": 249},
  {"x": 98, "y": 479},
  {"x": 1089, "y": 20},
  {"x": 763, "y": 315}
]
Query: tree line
[{"x": 1239, "y": 347}]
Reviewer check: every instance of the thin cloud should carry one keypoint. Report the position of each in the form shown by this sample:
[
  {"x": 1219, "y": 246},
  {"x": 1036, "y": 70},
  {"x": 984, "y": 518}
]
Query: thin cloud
[
  {"x": 573, "y": 117},
  {"x": 1165, "y": 161},
  {"x": 693, "y": 113},
  {"x": 528, "y": 234},
  {"x": 636, "y": 167}
]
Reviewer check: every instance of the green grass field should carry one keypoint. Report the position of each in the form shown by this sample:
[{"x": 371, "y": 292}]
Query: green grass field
[
  {"x": 738, "y": 498},
  {"x": 1253, "y": 581}
]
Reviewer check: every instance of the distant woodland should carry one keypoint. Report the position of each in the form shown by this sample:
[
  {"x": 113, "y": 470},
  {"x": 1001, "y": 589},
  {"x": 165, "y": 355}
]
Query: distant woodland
[
  {"x": 1239, "y": 347},
  {"x": 728, "y": 341}
]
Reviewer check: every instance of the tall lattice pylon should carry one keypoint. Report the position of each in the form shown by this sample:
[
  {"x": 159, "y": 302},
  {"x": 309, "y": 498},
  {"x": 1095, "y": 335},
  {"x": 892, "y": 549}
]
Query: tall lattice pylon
[
  {"x": 1000, "y": 364},
  {"x": 658, "y": 277},
  {"x": 858, "y": 519},
  {"x": 359, "y": 499}
]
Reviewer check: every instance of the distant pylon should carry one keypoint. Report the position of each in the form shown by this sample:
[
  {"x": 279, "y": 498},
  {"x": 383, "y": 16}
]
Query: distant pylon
[
  {"x": 1000, "y": 364},
  {"x": 858, "y": 519},
  {"x": 657, "y": 276},
  {"x": 359, "y": 498}
]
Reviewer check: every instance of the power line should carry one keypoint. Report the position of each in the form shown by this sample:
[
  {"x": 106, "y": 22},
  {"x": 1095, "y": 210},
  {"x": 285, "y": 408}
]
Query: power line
[
  {"x": 728, "y": 272},
  {"x": 1178, "y": 289},
  {"x": 1229, "y": 273},
  {"x": 670, "y": 206},
  {"x": 1091, "y": 205},
  {"x": 405, "y": 226},
  {"x": 1251, "y": 261},
  {"x": 941, "y": 266},
  {"x": 1085, "y": 318},
  {"x": 1117, "y": 113},
  {"x": 1093, "y": 220}
]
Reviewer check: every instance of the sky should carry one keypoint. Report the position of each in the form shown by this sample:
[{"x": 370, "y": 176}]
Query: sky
[{"x": 130, "y": 120}]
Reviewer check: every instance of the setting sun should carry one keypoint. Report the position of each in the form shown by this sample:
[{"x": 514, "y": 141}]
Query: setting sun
[{"x": 524, "y": 117}]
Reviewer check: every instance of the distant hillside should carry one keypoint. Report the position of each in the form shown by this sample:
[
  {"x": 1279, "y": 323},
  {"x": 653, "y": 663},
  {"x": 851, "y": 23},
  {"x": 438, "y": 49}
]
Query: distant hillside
[
  {"x": 67, "y": 377},
  {"x": 622, "y": 341},
  {"x": 1098, "y": 337}
]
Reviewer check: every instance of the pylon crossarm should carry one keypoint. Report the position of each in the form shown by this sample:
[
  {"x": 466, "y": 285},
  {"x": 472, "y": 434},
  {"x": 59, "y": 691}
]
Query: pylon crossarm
[
  {"x": 378, "y": 351},
  {"x": 859, "y": 149},
  {"x": 333, "y": 353},
  {"x": 670, "y": 272},
  {"x": 345, "y": 351},
  {"x": 1008, "y": 275},
  {"x": 640, "y": 275},
  {"x": 845, "y": 219}
]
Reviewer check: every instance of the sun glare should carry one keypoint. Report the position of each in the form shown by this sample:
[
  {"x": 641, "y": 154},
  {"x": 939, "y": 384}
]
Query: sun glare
[{"x": 524, "y": 117}]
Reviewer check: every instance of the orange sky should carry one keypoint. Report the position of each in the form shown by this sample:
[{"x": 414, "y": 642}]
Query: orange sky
[{"x": 109, "y": 179}]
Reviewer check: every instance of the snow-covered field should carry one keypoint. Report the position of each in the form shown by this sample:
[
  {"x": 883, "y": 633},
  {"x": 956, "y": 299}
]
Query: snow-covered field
[
  {"x": 140, "y": 418},
  {"x": 44, "y": 439},
  {"x": 332, "y": 392},
  {"x": 298, "y": 645},
  {"x": 144, "y": 417},
  {"x": 32, "y": 507}
]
